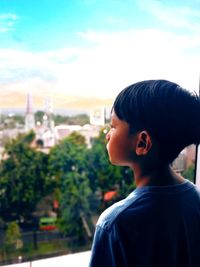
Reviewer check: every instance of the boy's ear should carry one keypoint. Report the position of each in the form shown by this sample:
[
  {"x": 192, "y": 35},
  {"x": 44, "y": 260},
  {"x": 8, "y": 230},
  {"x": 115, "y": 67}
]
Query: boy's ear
[{"x": 143, "y": 144}]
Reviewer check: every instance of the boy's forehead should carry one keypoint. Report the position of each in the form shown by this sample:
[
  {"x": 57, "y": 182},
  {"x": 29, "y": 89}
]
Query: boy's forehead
[
  {"x": 113, "y": 115},
  {"x": 115, "y": 119}
]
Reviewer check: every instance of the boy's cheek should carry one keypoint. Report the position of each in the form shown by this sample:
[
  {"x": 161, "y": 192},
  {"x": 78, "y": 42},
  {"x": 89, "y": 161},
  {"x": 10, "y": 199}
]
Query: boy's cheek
[
  {"x": 109, "y": 149},
  {"x": 107, "y": 146}
]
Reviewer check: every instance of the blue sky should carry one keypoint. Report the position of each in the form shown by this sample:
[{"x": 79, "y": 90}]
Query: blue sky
[
  {"x": 51, "y": 24},
  {"x": 96, "y": 47},
  {"x": 40, "y": 25}
]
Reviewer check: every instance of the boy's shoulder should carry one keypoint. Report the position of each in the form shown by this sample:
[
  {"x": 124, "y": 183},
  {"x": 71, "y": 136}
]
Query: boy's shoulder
[
  {"x": 111, "y": 214},
  {"x": 142, "y": 201}
]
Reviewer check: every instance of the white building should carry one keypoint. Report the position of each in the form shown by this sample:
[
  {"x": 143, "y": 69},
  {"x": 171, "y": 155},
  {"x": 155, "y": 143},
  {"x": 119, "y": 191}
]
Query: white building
[
  {"x": 29, "y": 116},
  {"x": 88, "y": 131}
]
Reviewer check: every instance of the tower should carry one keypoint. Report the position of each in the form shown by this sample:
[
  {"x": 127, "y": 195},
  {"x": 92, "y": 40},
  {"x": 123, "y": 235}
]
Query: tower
[
  {"x": 48, "y": 125},
  {"x": 48, "y": 116},
  {"x": 29, "y": 117}
]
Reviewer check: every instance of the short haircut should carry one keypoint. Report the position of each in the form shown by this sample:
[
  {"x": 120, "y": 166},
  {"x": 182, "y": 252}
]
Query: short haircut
[{"x": 168, "y": 112}]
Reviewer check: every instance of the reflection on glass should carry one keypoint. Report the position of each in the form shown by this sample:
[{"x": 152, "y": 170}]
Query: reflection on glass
[{"x": 184, "y": 164}]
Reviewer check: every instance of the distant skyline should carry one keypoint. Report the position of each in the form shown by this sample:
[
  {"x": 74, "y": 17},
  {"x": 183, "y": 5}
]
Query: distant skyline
[{"x": 69, "y": 50}]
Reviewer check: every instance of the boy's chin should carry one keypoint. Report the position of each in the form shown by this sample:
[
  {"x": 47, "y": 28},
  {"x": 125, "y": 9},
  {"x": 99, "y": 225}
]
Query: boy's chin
[
  {"x": 116, "y": 162},
  {"x": 112, "y": 161}
]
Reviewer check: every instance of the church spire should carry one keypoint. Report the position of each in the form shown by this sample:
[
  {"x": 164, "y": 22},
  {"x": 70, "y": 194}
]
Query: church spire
[
  {"x": 29, "y": 104},
  {"x": 29, "y": 117}
]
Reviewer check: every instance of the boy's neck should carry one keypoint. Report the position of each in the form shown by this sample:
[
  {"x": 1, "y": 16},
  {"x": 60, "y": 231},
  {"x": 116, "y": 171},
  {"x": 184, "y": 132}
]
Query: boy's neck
[{"x": 161, "y": 176}]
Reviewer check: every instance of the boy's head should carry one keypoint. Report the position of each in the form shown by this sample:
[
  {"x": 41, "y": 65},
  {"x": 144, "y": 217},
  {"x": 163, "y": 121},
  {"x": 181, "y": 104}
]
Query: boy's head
[{"x": 170, "y": 114}]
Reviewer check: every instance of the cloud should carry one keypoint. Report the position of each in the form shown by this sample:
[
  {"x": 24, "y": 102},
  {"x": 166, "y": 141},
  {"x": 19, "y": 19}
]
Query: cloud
[
  {"x": 8, "y": 16},
  {"x": 176, "y": 16},
  {"x": 113, "y": 61},
  {"x": 17, "y": 65},
  {"x": 126, "y": 57},
  {"x": 7, "y": 22},
  {"x": 119, "y": 21}
]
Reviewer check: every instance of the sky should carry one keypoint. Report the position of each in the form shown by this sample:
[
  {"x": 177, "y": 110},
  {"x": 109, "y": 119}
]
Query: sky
[{"x": 94, "y": 48}]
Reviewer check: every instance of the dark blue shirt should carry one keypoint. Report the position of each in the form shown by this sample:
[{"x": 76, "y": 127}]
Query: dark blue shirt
[{"x": 153, "y": 227}]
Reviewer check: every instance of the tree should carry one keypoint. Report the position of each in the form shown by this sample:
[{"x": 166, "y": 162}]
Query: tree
[
  {"x": 189, "y": 173},
  {"x": 13, "y": 235},
  {"x": 39, "y": 115},
  {"x": 75, "y": 204},
  {"x": 67, "y": 155},
  {"x": 24, "y": 179},
  {"x": 80, "y": 119},
  {"x": 68, "y": 164},
  {"x": 19, "y": 119}
]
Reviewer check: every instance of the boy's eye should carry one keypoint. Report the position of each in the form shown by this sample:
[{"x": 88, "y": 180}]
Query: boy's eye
[{"x": 112, "y": 126}]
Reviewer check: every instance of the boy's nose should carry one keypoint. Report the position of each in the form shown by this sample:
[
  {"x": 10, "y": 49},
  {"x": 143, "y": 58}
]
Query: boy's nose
[{"x": 108, "y": 136}]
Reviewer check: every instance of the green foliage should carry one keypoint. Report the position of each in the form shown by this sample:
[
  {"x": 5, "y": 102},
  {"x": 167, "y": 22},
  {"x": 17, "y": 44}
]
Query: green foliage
[
  {"x": 74, "y": 203},
  {"x": 13, "y": 234},
  {"x": 39, "y": 115},
  {"x": 24, "y": 179},
  {"x": 68, "y": 163},
  {"x": 71, "y": 173},
  {"x": 19, "y": 119},
  {"x": 77, "y": 139},
  {"x": 59, "y": 119},
  {"x": 28, "y": 251},
  {"x": 80, "y": 119},
  {"x": 14, "y": 145},
  {"x": 68, "y": 155},
  {"x": 189, "y": 173},
  {"x": 11, "y": 122}
]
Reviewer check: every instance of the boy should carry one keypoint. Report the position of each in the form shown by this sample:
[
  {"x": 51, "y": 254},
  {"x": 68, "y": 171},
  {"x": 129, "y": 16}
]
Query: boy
[{"x": 158, "y": 224}]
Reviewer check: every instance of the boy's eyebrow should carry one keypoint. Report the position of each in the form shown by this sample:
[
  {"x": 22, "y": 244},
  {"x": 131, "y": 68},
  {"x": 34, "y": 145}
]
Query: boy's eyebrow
[{"x": 113, "y": 119}]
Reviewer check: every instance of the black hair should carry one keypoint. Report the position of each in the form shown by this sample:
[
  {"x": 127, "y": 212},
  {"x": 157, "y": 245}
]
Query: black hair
[{"x": 168, "y": 112}]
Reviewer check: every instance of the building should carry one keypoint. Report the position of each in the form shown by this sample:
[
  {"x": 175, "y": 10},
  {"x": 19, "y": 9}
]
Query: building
[{"x": 29, "y": 116}]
